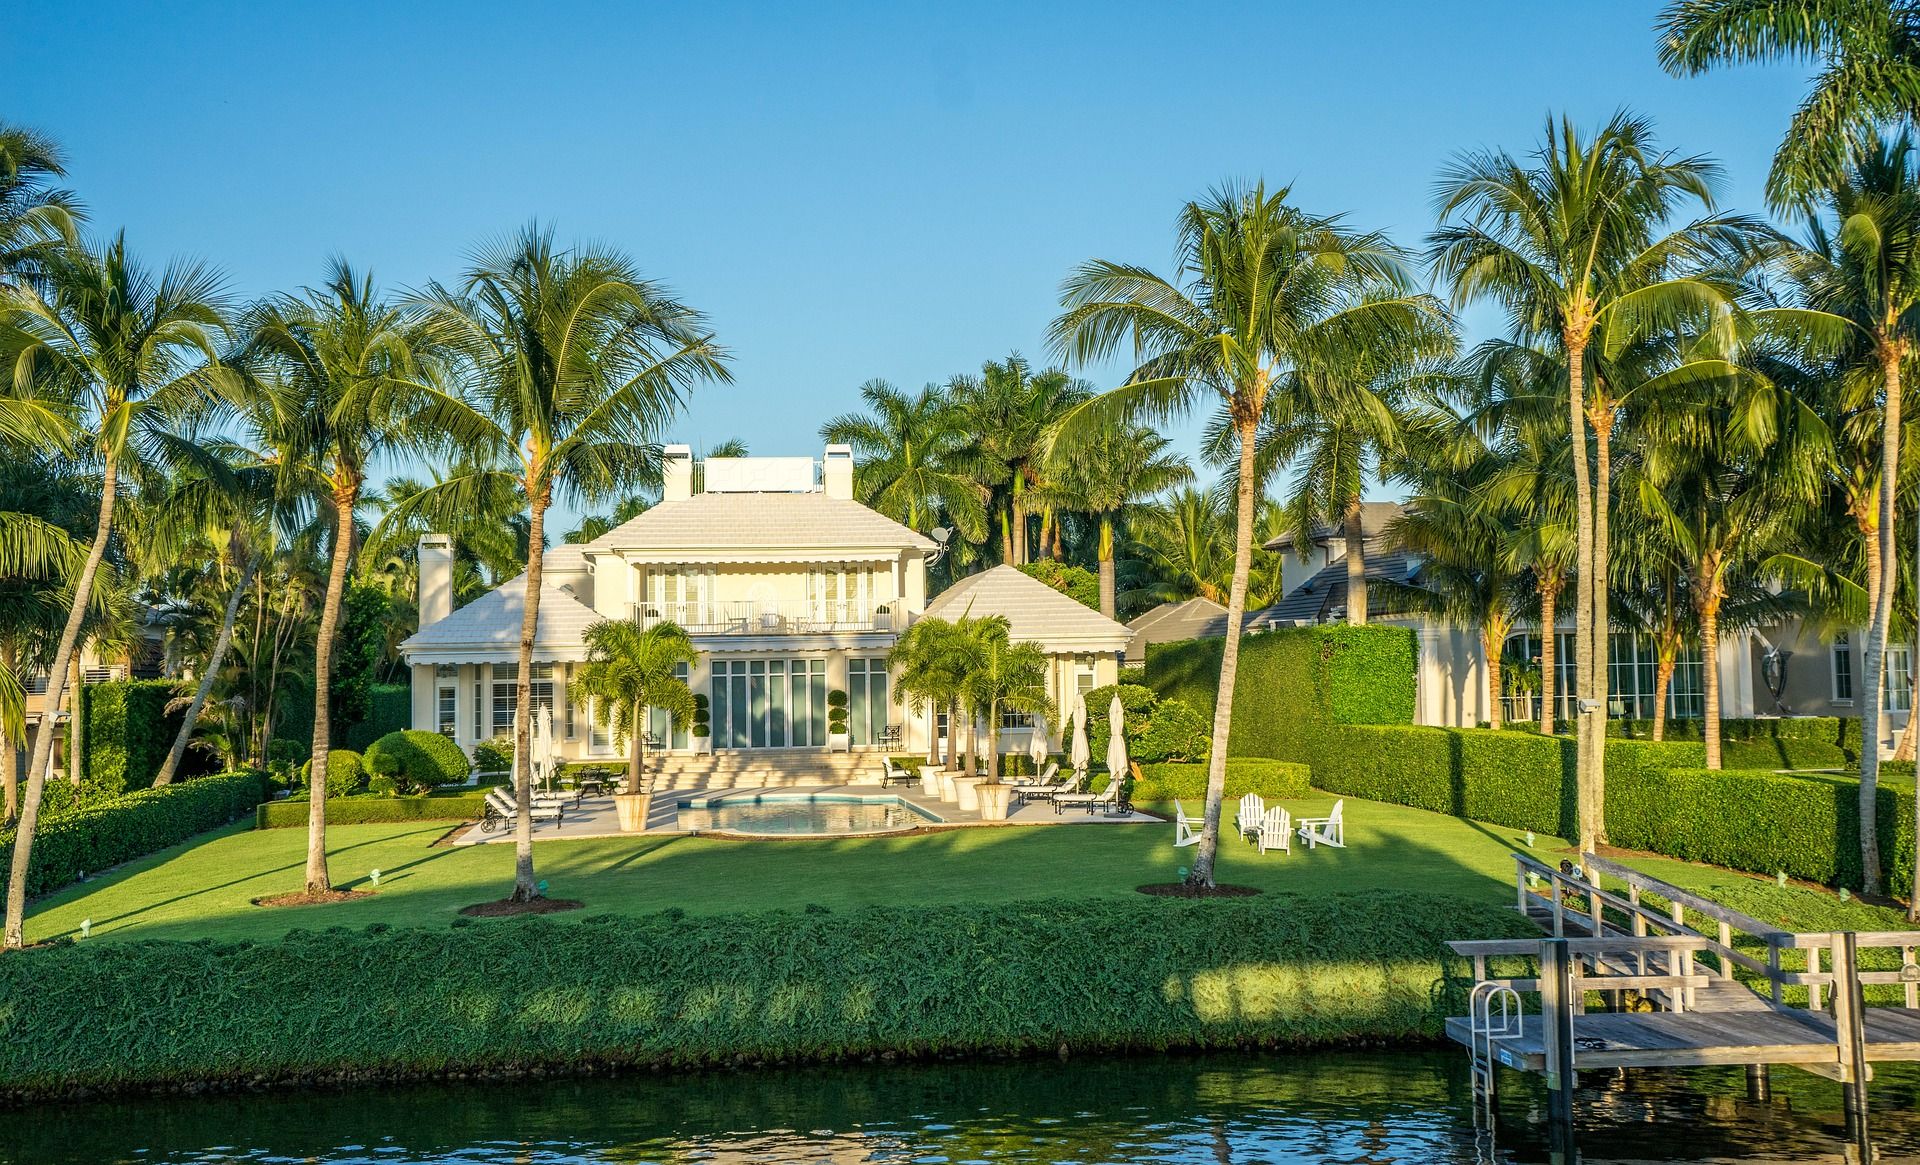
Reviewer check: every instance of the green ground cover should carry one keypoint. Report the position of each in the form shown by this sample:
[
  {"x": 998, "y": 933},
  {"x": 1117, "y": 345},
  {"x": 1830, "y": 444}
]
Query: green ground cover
[{"x": 205, "y": 888}]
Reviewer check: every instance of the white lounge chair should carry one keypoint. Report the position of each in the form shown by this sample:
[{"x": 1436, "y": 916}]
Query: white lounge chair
[
  {"x": 1252, "y": 809},
  {"x": 1276, "y": 831},
  {"x": 1045, "y": 778},
  {"x": 1329, "y": 830},
  {"x": 1186, "y": 830},
  {"x": 501, "y": 809},
  {"x": 1112, "y": 799},
  {"x": 891, "y": 773}
]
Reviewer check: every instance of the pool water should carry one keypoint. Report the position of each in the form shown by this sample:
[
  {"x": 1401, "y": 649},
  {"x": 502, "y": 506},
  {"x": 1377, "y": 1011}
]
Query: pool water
[
  {"x": 1410, "y": 1107},
  {"x": 800, "y": 814}
]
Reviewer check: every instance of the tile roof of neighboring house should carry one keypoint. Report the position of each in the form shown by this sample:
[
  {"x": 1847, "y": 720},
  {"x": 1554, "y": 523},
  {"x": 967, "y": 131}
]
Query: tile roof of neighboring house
[
  {"x": 568, "y": 556},
  {"x": 1320, "y": 597},
  {"x": 1174, "y": 621},
  {"x": 759, "y": 521},
  {"x": 491, "y": 625},
  {"x": 1374, "y": 519},
  {"x": 1035, "y": 610}
]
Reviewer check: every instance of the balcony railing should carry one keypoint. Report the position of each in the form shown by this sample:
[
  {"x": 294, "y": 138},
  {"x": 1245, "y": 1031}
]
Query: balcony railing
[{"x": 768, "y": 618}]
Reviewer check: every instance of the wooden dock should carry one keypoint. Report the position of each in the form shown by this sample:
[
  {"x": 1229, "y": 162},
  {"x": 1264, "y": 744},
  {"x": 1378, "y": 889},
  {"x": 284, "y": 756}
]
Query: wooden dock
[{"x": 1689, "y": 984}]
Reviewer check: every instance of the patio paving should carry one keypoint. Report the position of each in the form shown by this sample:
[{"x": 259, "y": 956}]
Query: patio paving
[{"x": 596, "y": 817}]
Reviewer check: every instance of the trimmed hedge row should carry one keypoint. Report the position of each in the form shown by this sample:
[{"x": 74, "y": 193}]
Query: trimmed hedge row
[
  {"x": 389, "y": 709},
  {"x": 674, "y": 990},
  {"x": 1245, "y": 774},
  {"x": 128, "y": 733},
  {"x": 96, "y": 836},
  {"x": 1807, "y": 824},
  {"x": 1799, "y": 742},
  {"x": 372, "y": 810}
]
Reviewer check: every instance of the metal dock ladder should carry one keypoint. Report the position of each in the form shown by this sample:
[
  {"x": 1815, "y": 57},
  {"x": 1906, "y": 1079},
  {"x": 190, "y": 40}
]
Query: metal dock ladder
[{"x": 1494, "y": 1012}]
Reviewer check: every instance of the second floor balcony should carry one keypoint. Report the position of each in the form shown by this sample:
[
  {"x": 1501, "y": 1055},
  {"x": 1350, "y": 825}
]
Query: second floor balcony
[{"x": 751, "y": 617}]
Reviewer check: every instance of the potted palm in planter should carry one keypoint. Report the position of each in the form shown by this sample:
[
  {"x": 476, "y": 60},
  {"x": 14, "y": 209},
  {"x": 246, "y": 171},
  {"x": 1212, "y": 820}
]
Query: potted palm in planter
[
  {"x": 1005, "y": 677},
  {"x": 629, "y": 669}
]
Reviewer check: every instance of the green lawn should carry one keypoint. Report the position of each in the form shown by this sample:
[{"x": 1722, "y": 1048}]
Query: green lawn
[{"x": 205, "y": 888}]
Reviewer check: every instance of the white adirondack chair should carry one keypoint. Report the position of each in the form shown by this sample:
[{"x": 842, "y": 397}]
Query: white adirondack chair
[
  {"x": 1186, "y": 830},
  {"x": 1252, "y": 808},
  {"x": 1329, "y": 830},
  {"x": 1276, "y": 831}
]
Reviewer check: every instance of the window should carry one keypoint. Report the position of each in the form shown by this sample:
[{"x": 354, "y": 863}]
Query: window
[
  {"x": 1012, "y": 719},
  {"x": 867, "y": 704},
  {"x": 1899, "y": 678},
  {"x": 449, "y": 711},
  {"x": 506, "y": 698},
  {"x": 1842, "y": 669},
  {"x": 542, "y": 688}
]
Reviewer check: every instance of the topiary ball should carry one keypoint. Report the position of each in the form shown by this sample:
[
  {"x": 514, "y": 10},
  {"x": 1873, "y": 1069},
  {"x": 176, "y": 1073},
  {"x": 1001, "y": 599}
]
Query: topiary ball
[
  {"x": 346, "y": 775},
  {"x": 416, "y": 761}
]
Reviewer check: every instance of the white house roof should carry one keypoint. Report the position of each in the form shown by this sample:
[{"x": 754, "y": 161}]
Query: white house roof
[
  {"x": 759, "y": 525},
  {"x": 489, "y": 627},
  {"x": 1035, "y": 611}
]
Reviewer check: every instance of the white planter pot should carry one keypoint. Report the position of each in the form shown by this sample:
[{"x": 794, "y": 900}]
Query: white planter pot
[
  {"x": 948, "y": 793},
  {"x": 994, "y": 801},
  {"x": 966, "y": 790},
  {"x": 702, "y": 745},
  {"x": 839, "y": 742}
]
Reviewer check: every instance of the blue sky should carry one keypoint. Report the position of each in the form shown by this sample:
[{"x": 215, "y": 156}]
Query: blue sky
[{"x": 849, "y": 191}]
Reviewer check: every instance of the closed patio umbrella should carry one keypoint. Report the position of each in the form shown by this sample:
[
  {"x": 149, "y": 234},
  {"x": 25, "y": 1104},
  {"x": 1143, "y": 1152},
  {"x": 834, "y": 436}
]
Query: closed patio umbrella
[
  {"x": 1117, "y": 744},
  {"x": 541, "y": 747},
  {"x": 1078, "y": 754},
  {"x": 1038, "y": 747}
]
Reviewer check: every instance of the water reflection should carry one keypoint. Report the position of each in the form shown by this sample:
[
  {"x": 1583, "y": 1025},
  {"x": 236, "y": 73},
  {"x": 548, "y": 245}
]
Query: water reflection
[{"x": 1349, "y": 1108}]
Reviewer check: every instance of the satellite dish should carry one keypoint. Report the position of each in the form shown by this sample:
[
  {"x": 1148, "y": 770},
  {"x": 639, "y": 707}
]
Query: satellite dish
[{"x": 941, "y": 534}]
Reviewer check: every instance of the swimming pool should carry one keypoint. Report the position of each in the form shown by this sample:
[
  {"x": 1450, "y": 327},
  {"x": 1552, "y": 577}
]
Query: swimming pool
[{"x": 800, "y": 814}]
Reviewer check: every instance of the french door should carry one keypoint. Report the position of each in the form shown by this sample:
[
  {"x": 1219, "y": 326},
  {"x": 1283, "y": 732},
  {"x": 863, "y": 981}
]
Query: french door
[{"x": 769, "y": 703}]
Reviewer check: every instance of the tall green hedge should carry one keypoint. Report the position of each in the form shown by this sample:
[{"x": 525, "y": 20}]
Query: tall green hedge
[
  {"x": 371, "y": 809},
  {"x": 686, "y": 991},
  {"x": 390, "y": 710},
  {"x": 100, "y": 834},
  {"x": 128, "y": 732},
  {"x": 1797, "y": 742},
  {"x": 1245, "y": 774}
]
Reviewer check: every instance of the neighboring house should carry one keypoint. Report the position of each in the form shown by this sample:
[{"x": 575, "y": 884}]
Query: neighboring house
[
  {"x": 1171, "y": 622},
  {"x": 1787, "y": 669},
  {"x": 789, "y": 587}
]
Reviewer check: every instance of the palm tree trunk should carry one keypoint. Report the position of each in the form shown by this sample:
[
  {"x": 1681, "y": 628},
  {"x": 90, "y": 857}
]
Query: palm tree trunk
[
  {"x": 968, "y": 763},
  {"x": 1200, "y": 873},
  {"x": 1602, "y": 619},
  {"x": 524, "y": 889},
  {"x": 1356, "y": 537},
  {"x": 1488, "y": 649},
  {"x": 1874, "y": 661},
  {"x": 76, "y": 722},
  {"x": 953, "y": 734},
  {"x": 345, "y": 495},
  {"x": 1584, "y": 722},
  {"x": 43, "y": 740},
  {"x": 1019, "y": 522},
  {"x": 16, "y": 755},
  {"x": 220, "y": 644},
  {"x": 1105, "y": 555},
  {"x": 1709, "y": 669},
  {"x": 993, "y": 744},
  {"x": 636, "y": 749},
  {"x": 1549, "y": 646},
  {"x": 1662, "y": 684}
]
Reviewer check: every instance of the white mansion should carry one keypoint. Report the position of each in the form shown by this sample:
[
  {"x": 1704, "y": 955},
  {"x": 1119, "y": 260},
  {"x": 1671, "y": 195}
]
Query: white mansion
[{"x": 791, "y": 590}]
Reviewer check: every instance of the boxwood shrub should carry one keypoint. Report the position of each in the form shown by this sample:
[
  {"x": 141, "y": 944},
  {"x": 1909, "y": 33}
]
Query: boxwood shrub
[
  {"x": 94, "y": 836},
  {"x": 677, "y": 990},
  {"x": 414, "y": 761},
  {"x": 371, "y": 809},
  {"x": 128, "y": 733},
  {"x": 1245, "y": 774},
  {"x": 345, "y": 774}
]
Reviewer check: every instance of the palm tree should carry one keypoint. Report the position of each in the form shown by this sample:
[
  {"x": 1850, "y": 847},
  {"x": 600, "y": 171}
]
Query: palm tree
[
  {"x": 1005, "y": 676},
  {"x": 1867, "y": 52},
  {"x": 229, "y": 514},
  {"x": 1108, "y": 471},
  {"x": 1578, "y": 252},
  {"x": 134, "y": 350},
  {"x": 629, "y": 669},
  {"x": 1010, "y": 411},
  {"x": 577, "y": 364},
  {"x": 930, "y": 659},
  {"x": 908, "y": 451},
  {"x": 1185, "y": 542},
  {"x": 342, "y": 380},
  {"x": 1262, "y": 290},
  {"x": 1857, "y": 285},
  {"x": 37, "y": 218}
]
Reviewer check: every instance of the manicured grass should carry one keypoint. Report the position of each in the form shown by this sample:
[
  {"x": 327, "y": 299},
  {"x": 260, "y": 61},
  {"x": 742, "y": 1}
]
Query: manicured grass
[{"x": 205, "y": 889}]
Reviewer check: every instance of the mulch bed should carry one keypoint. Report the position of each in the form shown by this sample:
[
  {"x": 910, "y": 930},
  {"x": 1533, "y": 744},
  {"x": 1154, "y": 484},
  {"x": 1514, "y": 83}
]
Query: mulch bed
[
  {"x": 507, "y": 907},
  {"x": 1182, "y": 890},
  {"x": 304, "y": 898}
]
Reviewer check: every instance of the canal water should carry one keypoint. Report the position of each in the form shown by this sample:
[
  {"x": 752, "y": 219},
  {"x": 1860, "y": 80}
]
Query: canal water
[{"x": 1366, "y": 1109}]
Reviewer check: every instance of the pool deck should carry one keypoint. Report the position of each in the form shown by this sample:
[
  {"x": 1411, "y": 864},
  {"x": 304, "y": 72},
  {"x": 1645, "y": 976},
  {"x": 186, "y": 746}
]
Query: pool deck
[{"x": 595, "y": 816}]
